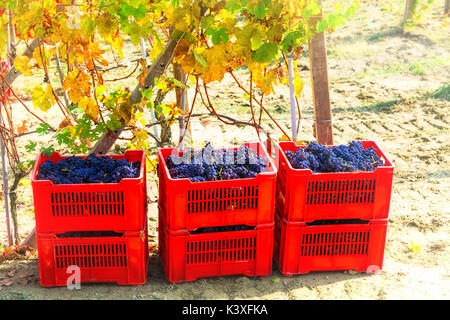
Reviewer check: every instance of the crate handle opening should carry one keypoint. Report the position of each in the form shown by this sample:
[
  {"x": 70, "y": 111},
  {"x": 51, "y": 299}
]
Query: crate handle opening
[
  {"x": 336, "y": 222},
  {"x": 89, "y": 234},
  {"x": 233, "y": 228}
]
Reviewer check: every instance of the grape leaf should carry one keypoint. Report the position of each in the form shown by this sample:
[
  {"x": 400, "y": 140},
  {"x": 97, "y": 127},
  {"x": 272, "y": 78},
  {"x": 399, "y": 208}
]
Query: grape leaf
[
  {"x": 256, "y": 42},
  {"x": 48, "y": 151},
  {"x": 259, "y": 11},
  {"x": 311, "y": 9},
  {"x": 43, "y": 129},
  {"x": 43, "y": 99},
  {"x": 200, "y": 59},
  {"x": 31, "y": 146},
  {"x": 266, "y": 53},
  {"x": 322, "y": 25},
  {"x": 290, "y": 41}
]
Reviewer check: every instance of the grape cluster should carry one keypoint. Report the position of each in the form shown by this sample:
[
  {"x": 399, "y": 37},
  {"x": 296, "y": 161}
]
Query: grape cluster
[
  {"x": 240, "y": 227},
  {"x": 342, "y": 158},
  {"x": 211, "y": 165},
  {"x": 92, "y": 169}
]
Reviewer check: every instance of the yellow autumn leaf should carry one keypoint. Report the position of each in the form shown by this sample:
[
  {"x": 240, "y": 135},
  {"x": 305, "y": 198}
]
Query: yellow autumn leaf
[
  {"x": 140, "y": 117},
  {"x": 216, "y": 58},
  {"x": 162, "y": 85},
  {"x": 90, "y": 107},
  {"x": 77, "y": 84},
  {"x": 192, "y": 79},
  {"x": 265, "y": 82},
  {"x": 298, "y": 86},
  {"x": 23, "y": 127},
  {"x": 415, "y": 247},
  {"x": 72, "y": 130},
  {"x": 184, "y": 56},
  {"x": 43, "y": 98},
  {"x": 117, "y": 44},
  {"x": 21, "y": 65},
  {"x": 3, "y": 37},
  {"x": 92, "y": 51},
  {"x": 107, "y": 25},
  {"x": 140, "y": 139},
  {"x": 227, "y": 20},
  {"x": 152, "y": 163},
  {"x": 24, "y": 182},
  {"x": 298, "y": 83},
  {"x": 46, "y": 54},
  {"x": 182, "y": 23},
  {"x": 34, "y": 15},
  {"x": 158, "y": 47}
]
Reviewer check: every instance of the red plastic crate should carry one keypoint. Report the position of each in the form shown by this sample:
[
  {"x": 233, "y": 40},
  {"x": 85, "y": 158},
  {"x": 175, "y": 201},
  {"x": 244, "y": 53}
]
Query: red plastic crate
[
  {"x": 116, "y": 207},
  {"x": 188, "y": 205},
  {"x": 122, "y": 260},
  {"x": 299, "y": 248},
  {"x": 306, "y": 196},
  {"x": 187, "y": 257}
]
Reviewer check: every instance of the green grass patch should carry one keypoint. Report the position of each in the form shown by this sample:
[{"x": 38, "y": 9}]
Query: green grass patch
[
  {"x": 379, "y": 106},
  {"x": 414, "y": 67},
  {"x": 376, "y": 107},
  {"x": 442, "y": 93},
  {"x": 383, "y": 35}
]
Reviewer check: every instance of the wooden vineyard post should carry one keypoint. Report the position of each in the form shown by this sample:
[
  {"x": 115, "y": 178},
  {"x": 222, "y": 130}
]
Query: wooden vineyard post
[
  {"x": 409, "y": 5},
  {"x": 446, "y": 6},
  {"x": 323, "y": 128}
]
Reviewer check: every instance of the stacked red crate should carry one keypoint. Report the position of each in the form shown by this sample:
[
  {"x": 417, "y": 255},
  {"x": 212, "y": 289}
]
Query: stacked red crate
[
  {"x": 330, "y": 221},
  {"x": 100, "y": 228},
  {"x": 185, "y": 207}
]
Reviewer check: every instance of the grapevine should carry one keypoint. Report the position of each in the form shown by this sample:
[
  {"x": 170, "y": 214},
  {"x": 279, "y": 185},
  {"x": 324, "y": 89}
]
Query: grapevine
[{"x": 208, "y": 39}]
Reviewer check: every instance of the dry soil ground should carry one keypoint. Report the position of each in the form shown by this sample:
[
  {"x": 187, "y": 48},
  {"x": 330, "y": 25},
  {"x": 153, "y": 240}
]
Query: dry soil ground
[{"x": 385, "y": 85}]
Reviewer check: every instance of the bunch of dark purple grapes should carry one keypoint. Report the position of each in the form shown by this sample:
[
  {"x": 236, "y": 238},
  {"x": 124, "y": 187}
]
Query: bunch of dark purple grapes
[
  {"x": 342, "y": 158},
  {"x": 92, "y": 169},
  {"x": 211, "y": 165}
]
